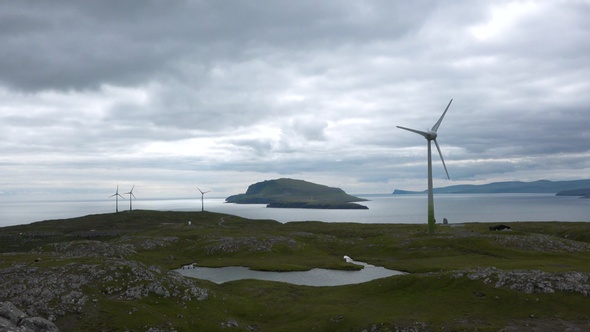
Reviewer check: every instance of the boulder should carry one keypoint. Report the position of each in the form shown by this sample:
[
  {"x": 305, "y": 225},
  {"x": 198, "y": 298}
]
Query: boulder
[
  {"x": 14, "y": 319},
  {"x": 38, "y": 324},
  {"x": 10, "y": 312}
]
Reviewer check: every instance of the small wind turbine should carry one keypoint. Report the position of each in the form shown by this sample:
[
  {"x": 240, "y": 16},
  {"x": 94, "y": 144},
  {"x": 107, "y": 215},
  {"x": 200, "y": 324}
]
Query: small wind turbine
[
  {"x": 202, "y": 198},
  {"x": 117, "y": 195},
  {"x": 130, "y": 193},
  {"x": 431, "y": 136}
]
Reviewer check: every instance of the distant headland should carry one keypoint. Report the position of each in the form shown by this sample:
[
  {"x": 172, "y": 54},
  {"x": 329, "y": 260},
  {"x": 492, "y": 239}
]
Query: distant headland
[
  {"x": 559, "y": 188},
  {"x": 291, "y": 193}
]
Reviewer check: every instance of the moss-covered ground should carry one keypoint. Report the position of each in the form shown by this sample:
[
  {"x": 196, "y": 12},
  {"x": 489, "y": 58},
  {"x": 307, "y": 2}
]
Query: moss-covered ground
[{"x": 431, "y": 297}]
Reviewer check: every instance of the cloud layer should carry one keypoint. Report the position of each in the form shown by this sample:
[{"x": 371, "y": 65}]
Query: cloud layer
[{"x": 221, "y": 94}]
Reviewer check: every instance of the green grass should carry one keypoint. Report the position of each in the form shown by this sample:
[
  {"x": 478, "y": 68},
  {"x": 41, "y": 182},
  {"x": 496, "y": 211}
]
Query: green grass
[{"x": 430, "y": 294}]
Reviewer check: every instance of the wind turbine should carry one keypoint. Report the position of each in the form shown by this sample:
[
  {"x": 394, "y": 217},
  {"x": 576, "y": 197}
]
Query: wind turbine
[
  {"x": 202, "y": 198},
  {"x": 130, "y": 193},
  {"x": 117, "y": 195},
  {"x": 431, "y": 136}
]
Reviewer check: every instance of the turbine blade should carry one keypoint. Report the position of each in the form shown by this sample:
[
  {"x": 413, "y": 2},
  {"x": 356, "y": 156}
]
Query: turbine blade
[
  {"x": 441, "y": 158},
  {"x": 435, "y": 127},
  {"x": 200, "y": 190},
  {"x": 423, "y": 133}
]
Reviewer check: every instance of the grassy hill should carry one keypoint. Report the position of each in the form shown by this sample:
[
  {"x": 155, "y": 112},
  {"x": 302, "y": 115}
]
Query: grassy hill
[
  {"x": 296, "y": 194},
  {"x": 111, "y": 272}
]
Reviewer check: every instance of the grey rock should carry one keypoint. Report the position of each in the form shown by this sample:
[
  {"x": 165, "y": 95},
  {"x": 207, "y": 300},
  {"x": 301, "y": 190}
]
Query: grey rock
[
  {"x": 229, "y": 323},
  {"x": 38, "y": 324},
  {"x": 6, "y": 325},
  {"x": 542, "y": 243},
  {"x": 13, "y": 319},
  {"x": 90, "y": 248},
  {"x": 252, "y": 244},
  {"x": 10, "y": 312},
  {"x": 531, "y": 281},
  {"x": 158, "y": 290},
  {"x": 60, "y": 290}
]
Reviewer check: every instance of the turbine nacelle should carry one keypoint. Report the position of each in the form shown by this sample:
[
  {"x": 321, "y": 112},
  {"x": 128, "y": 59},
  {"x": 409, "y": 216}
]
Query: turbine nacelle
[
  {"x": 116, "y": 194},
  {"x": 203, "y": 192},
  {"x": 130, "y": 193},
  {"x": 430, "y": 135}
]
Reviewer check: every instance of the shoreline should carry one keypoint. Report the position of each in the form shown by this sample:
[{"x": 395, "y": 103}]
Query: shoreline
[{"x": 382, "y": 209}]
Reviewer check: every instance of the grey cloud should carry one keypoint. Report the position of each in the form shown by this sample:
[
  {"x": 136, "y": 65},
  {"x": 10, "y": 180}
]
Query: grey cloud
[
  {"x": 85, "y": 44},
  {"x": 294, "y": 88},
  {"x": 314, "y": 131}
]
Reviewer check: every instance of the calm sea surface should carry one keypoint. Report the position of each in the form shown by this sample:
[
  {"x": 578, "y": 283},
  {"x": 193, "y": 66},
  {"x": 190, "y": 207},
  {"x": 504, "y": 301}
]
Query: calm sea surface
[{"x": 456, "y": 208}]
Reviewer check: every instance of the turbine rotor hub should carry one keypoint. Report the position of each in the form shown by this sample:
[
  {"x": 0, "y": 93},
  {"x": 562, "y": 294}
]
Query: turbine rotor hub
[{"x": 431, "y": 135}]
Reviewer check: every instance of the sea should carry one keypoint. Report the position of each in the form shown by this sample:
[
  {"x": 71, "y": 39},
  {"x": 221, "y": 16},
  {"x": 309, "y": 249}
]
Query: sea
[{"x": 383, "y": 209}]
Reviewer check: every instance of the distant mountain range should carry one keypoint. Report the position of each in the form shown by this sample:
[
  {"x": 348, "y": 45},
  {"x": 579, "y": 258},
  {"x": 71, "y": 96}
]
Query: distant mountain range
[
  {"x": 560, "y": 188},
  {"x": 290, "y": 193}
]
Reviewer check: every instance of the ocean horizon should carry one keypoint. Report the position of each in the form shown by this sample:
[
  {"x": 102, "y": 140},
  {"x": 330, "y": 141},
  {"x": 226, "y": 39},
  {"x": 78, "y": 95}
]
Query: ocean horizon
[{"x": 383, "y": 208}]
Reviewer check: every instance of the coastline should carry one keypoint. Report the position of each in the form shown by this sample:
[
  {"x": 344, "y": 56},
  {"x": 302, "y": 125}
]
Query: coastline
[{"x": 383, "y": 208}]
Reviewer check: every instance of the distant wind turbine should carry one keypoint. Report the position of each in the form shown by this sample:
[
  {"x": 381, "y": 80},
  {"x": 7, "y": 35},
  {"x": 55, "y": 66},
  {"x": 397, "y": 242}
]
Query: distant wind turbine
[
  {"x": 431, "y": 136},
  {"x": 130, "y": 193},
  {"x": 202, "y": 198},
  {"x": 117, "y": 195}
]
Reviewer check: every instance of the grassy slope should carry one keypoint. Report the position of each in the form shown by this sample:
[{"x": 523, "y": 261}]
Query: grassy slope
[{"x": 429, "y": 295}]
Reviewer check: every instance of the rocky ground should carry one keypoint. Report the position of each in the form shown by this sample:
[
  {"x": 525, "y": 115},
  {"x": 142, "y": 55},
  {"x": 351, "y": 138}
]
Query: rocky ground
[
  {"x": 77, "y": 274},
  {"x": 531, "y": 281},
  {"x": 59, "y": 290}
]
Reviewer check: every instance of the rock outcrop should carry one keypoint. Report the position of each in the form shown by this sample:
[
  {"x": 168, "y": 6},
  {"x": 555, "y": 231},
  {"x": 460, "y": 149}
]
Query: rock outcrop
[
  {"x": 15, "y": 320},
  {"x": 531, "y": 281},
  {"x": 58, "y": 290}
]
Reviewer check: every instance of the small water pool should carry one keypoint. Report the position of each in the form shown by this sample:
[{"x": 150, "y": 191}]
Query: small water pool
[{"x": 313, "y": 277}]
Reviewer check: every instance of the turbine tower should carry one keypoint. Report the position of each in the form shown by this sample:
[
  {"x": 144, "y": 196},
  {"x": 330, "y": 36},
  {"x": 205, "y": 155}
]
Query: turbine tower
[
  {"x": 431, "y": 136},
  {"x": 202, "y": 198},
  {"x": 117, "y": 195},
  {"x": 130, "y": 193}
]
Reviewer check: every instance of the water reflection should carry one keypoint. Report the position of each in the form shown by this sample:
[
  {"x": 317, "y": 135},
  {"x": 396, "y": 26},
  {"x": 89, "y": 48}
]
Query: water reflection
[{"x": 313, "y": 277}]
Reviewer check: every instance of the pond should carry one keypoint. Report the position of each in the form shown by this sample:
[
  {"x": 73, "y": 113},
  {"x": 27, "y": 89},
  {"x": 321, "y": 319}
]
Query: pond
[{"x": 313, "y": 277}]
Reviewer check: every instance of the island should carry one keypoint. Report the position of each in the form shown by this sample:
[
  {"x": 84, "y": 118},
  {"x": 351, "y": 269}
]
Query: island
[
  {"x": 291, "y": 193},
  {"x": 560, "y": 188}
]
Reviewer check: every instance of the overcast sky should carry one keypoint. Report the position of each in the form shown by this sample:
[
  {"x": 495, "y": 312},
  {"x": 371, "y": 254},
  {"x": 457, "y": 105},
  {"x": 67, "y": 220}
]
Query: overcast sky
[{"x": 174, "y": 95}]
